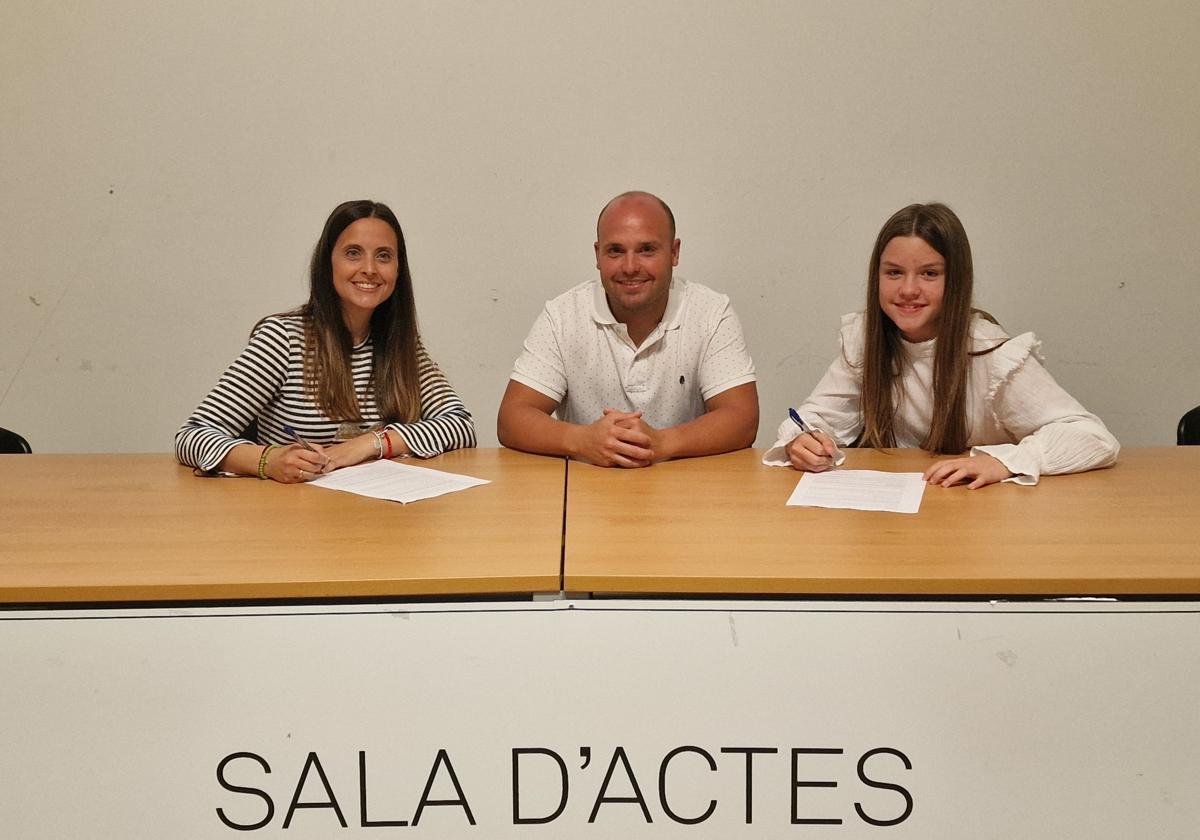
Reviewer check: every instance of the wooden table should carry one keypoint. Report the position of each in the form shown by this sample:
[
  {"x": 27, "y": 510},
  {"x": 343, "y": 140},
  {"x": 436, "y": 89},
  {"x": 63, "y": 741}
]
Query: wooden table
[
  {"x": 104, "y": 528},
  {"x": 720, "y": 525},
  {"x": 146, "y": 700}
]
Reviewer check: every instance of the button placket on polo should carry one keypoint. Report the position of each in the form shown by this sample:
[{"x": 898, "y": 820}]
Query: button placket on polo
[
  {"x": 625, "y": 355},
  {"x": 637, "y": 375}
]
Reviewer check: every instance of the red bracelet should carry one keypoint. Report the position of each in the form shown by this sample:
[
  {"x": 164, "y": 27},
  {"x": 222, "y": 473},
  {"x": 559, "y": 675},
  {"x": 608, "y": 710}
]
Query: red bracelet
[{"x": 388, "y": 441}]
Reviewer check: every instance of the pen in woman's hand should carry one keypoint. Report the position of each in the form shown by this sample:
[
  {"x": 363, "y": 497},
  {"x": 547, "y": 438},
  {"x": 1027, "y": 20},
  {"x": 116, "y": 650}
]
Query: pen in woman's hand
[{"x": 294, "y": 435}]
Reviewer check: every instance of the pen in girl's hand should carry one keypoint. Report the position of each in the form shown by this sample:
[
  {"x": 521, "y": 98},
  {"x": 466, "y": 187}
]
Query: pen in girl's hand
[
  {"x": 805, "y": 429},
  {"x": 799, "y": 421}
]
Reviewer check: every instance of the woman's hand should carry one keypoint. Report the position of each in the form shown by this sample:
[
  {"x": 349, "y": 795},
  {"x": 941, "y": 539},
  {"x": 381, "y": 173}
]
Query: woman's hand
[
  {"x": 979, "y": 470},
  {"x": 293, "y": 464},
  {"x": 363, "y": 448},
  {"x": 812, "y": 452}
]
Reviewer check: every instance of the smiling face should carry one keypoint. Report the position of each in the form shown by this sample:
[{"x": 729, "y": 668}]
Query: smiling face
[
  {"x": 912, "y": 282},
  {"x": 364, "y": 270},
  {"x": 636, "y": 252}
]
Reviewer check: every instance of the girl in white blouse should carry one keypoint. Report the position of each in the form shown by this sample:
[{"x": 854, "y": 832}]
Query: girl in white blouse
[{"x": 922, "y": 368}]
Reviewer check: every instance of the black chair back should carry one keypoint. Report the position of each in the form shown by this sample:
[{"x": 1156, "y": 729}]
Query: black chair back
[
  {"x": 1188, "y": 433},
  {"x": 250, "y": 433},
  {"x": 12, "y": 443}
]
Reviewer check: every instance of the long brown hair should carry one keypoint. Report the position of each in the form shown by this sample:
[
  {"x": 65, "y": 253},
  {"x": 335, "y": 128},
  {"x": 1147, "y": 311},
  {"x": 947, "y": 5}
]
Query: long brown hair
[
  {"x": 941, "y": 229},
  {"x": 395, "y": 337}
]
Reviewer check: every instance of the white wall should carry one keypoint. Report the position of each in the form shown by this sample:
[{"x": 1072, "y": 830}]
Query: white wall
[{"x": 166, "y": 168}]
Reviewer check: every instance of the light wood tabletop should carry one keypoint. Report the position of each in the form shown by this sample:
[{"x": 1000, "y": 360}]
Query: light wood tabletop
[
  {"x": 142, "y": 527},
  {"x": 720, "y": 525}
]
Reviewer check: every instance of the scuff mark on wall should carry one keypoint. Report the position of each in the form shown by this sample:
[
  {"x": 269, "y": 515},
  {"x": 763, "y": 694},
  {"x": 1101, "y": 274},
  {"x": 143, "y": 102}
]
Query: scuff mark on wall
[
  {"x": 37, "y": 338},
  {"x": 1007, "y": 657}
]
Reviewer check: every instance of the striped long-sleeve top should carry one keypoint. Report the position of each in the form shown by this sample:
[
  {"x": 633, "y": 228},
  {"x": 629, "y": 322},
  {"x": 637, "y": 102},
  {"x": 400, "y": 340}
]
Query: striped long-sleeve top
[{"x": 266, "y": 383}]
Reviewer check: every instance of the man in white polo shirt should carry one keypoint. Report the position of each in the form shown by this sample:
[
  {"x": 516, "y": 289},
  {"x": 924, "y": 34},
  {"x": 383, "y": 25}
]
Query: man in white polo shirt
[{"x": 639, "y": 366}]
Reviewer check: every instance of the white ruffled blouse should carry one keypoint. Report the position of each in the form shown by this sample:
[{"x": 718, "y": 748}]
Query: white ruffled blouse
[{"x": 1016, "y": 412}]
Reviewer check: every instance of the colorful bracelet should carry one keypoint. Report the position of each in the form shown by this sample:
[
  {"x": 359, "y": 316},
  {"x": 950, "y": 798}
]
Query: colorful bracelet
[
  {"x": 388, "y": 441},
  {"x": 262, "y": 460}
]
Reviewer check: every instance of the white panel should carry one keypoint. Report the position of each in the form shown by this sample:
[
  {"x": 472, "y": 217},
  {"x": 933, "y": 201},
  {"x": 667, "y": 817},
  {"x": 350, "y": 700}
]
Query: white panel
[{"x": 1059, "y": 720}]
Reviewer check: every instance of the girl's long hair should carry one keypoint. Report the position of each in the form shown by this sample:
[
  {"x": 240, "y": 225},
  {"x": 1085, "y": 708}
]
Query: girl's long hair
[
  {"x": 393, "y": 328},
  {"x": 883, "y": 355}
]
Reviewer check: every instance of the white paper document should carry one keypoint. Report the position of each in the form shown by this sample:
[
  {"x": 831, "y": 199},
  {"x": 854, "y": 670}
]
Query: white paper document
[
  {"x": 860, "y": 490},
  {"x": 395, "y": 482}
]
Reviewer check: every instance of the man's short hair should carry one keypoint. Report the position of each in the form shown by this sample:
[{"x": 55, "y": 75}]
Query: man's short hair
[{"x": 643, "y": 194}]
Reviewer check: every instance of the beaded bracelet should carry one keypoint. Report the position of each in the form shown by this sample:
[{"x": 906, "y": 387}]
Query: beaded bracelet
[{"x": 262, "y": 460}]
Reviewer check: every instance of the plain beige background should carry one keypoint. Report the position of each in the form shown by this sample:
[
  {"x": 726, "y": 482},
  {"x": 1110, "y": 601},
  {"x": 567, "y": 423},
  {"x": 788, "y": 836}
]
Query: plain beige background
[{"x": 166, "y": 168}]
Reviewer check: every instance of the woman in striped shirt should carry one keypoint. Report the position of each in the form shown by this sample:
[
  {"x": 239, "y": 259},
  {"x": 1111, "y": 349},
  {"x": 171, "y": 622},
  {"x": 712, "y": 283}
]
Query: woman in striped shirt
[{"x": 347, "y": 370}]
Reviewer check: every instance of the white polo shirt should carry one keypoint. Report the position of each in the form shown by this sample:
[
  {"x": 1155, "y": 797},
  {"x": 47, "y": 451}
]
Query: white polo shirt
[{"x": 580, "y": 356}]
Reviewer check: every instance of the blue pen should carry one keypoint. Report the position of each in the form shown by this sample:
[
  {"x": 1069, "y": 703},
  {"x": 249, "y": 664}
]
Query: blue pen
[
  {"x": 289, "y": 431},
  {"x": 805, "y": 430}
]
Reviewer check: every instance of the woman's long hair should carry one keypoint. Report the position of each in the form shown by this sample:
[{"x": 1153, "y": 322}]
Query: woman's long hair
[
  {"x": 395, "y": 337},
  {"x": 883, "y": 356}
]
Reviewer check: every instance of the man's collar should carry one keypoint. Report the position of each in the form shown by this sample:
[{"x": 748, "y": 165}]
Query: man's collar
[
  {"x": 671, "y": 317},
  {"x": 601, "y": 313}
]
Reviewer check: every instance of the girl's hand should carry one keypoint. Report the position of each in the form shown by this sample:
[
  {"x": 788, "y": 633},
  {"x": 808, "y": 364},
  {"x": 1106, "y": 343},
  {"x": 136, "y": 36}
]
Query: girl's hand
[
  {"x": 293, "y": 463},
  {"x": 812, "y": 452},
  {"x": 980, "y": 470}
]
